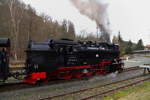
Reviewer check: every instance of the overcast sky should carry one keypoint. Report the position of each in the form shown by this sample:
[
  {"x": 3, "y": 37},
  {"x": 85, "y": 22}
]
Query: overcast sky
[{"x": 131, "y": 17}]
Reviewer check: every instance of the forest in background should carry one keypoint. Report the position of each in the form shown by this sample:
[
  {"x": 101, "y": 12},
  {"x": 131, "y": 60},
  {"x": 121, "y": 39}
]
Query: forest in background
[{"x": 21, "y": 23}]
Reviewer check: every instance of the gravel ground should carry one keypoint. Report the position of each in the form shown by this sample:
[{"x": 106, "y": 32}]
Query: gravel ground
[
  {"x": 51, "y": 90},
  {"x": 136, "y": 61}
]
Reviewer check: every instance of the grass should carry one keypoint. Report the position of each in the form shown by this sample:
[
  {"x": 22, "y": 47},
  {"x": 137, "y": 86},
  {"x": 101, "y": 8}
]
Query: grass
[{"x": 137, "y": 92}]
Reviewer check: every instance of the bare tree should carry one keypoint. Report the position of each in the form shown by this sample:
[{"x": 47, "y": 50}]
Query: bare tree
[{"x": 16, "y": 13}]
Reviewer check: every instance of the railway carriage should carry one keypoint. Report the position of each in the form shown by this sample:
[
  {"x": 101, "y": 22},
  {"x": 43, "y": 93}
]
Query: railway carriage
[{"x": 4, "y": 58}]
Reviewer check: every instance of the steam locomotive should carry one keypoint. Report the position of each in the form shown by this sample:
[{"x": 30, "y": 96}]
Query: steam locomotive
[{"x": 67, "y": 59}]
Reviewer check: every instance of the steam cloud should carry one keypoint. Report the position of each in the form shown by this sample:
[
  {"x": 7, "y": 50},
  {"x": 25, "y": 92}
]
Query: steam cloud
[{"x": 95, "y": 10}]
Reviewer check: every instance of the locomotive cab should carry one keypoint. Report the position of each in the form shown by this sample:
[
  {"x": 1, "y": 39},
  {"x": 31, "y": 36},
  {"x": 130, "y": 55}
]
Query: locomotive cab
[{"x": 4, "y": 59}]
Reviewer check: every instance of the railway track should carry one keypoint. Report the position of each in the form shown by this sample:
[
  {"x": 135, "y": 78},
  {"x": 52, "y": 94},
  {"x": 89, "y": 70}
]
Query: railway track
[
  {"x": 98, "y": 91},
  {"x": 20, "y": 85},
  {"x": 16, "y": 85},
  {"x": 107, "y": 92},
  {"x": 132, "y": 68}
]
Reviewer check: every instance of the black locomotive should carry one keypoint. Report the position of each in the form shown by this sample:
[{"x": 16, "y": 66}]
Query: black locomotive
[{"x": 70, "y": 59}]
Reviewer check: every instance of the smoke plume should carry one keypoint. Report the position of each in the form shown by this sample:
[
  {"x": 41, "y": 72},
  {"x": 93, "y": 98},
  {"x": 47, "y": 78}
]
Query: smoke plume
[{"x": 96, "y": 10}]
